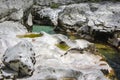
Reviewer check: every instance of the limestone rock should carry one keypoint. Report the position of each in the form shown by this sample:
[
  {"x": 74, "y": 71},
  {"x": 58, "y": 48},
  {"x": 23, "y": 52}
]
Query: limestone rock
[
  {"x": 57, "y": 57},
  {"x": 115, "y": 40},
  {"x": 47, "y": 16},
  {"x": 91, "y": 18},
  {"x": 8, "y": 32},
  {"x": 16, "y": 16},
  {"x": 8, "y": 74},
  {"x": 50, "y": 2},
  {"x": 20, "y": 58},
  {"x": 11, "y": 28},
  {"x": 29, "y": 21},
  {"x": 14, "y": 9},
  {"x": 60, "y": 58},
  {"x": 64, "y": 2},
  {"x": 73, "y": 14}
]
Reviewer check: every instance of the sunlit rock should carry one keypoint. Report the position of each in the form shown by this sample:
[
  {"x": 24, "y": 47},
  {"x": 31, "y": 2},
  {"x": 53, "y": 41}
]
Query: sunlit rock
[
  {"x": 47, "y": 16},
  {"x": 20, "y": 58},
  {"x": 91, "y": 20},
  {"x": 8, "y": 32},
  {"x": 14, "y": 9},
  {"x": 79, "y": 61}
]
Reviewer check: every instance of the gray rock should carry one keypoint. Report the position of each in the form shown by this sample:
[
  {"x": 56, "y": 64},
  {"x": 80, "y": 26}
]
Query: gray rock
[
  {"x": 8, "y": 74},
  {"x": 65, "y": 2},
  {"x": 8, "y": 32},
  {"x": 115, "y": 41},
  {"x": 14, "y": 9},
  {"x": 29, "y": 21},
  {"x": 12, "y": 28},
  {"x": 50, "y": 2},
  {"x": 87, "y": 18},
  {"x": 47, "y": 16},
  {"x": 16, "y": 16},
  {"x": 20, "y": 58},
  {"x": 73, "y": 13},
  {"x": 77, "y": 60}
]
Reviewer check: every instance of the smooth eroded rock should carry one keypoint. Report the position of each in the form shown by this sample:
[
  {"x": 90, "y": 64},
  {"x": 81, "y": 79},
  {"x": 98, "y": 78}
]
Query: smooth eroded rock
[
  {"x": 59, "y": 58},
  {"x": 20, "y": 58},
  {"x": 8, "y": 32}
]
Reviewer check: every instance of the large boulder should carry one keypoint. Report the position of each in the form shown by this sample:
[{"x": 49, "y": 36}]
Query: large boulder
[
  {"x": 53, "y": 2},
  {"x": 15, "y": 10},
  {"x": 12, "y": 28},
  {"x": 115, "y": 41},
  {"x": 8, "y": 32},
  {"x": 59, "y": 58},
  {"x": 94, "y": 19},
  {"x": 64, "y": 2},
  {"x": 47, "y": 16},
  {"x": 20, "y": 58}
]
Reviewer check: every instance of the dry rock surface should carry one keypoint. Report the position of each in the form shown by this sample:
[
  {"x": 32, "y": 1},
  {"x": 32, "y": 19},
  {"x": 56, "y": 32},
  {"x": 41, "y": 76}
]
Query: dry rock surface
[
  {"x": 58, "y": 58},
  {"x": 8, "y": 32},
  {"x": 20, "y": 58},
  {"x": 93, "y": 19}
]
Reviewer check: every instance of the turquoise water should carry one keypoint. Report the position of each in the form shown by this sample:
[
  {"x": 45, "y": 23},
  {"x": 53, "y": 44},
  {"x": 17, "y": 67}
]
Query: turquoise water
[{"x": 39, "y": 28}]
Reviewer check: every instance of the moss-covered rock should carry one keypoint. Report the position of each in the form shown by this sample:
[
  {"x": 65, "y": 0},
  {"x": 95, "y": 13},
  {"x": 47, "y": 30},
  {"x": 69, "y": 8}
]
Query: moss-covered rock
[
  {"x": 30, "y": 35},
  {"x": 54, "y": 5},
  {"x": 63, "y": 46},
  {"x": 106, "y": 50}
]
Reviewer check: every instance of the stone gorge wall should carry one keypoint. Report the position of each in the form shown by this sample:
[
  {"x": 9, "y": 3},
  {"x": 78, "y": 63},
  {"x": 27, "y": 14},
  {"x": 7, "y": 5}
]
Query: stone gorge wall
[
  {"x": 15, "y": 10},
  {"x": 88, "y": 20},
  {"x": 65, "y": 2},
  {"x": 91, "y": 21}
]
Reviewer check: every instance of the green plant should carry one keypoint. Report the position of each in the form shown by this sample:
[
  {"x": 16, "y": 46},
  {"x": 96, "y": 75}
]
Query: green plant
[
  {"x": 54, "y": 5},
  {"x": 30, "y": 35},
  {"x": 105, "y": 50},
  {"x": 63, "y": 46}
]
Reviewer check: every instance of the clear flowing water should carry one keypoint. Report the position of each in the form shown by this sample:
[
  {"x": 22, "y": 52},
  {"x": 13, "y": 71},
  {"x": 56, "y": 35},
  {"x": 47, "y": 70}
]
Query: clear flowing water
[
  {"x": 111, "y": 55},
  {"x": 39, "y": 28}
]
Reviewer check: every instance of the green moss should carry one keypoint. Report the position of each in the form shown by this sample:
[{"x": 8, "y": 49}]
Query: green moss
[
  {"x": 106, "y": 50},
  {"x": 54, "y": 5},
  {"x": 63, "y": 46},
  {"x": 112, "y": 75},
  {"x": 31, "y": 35},
  {"x": 72, "y": 37}
]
